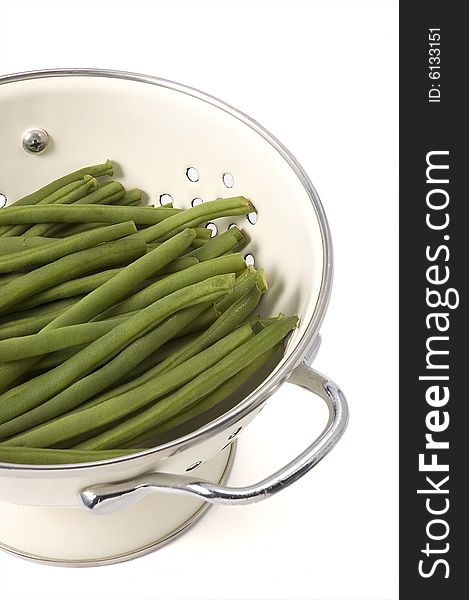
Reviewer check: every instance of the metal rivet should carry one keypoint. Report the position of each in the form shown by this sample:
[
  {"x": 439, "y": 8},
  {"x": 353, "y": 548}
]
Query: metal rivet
[
  {"x": 196, "y": 201},
  {"x": 213, "y": 228},
  {"x": 192, "y": 174},
  {"x": 194, "y": 466},
  {"x": 35, "y": 140},
  {"x": 228, "y": 180},
  {"x": 165, "y": 199},
  {"x": 252, "y": 218},
  {"x": 3, "y": 200},
  {"x": 235, "y": 433},
  {"x": 249, "y": 258}
]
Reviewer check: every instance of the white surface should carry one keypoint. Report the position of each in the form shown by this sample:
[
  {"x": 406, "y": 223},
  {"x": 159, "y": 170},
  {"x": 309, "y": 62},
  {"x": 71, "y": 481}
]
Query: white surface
[{"x": 322, "y": 76}]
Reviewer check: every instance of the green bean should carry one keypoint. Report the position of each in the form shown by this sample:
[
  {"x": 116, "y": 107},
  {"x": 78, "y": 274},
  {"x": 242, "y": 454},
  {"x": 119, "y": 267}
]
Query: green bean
[
  {"x": 52, "y": 360},
  {"x": 75, "y": 228},
  {"x": 29, "y": 325},
  {"x": 58, "y": 248},
  {"x": 81, "y": 285},
  {"x": 48, "y": 456},
  {"x": 131, "y": 197},
  {"x": 156, "y": 357},
  {"x": 153, "y": 245},
  {"x": 109, "y": 193},
  {"x": 85, "y": 213},
  {"x": 206, "y": 319},
  {"x": 47, "y": 385},
  {"x": 155, "y": 291},
  {"x": 207, "y": 403},
  {"x": 66, "y": 268},
  {"x": 69, "y": 267},
  {"x": 198, "y": 243},
  {"x": 184, "y": 262},
  {"x": 203, "y": 233},
  {"x": 244, "y": 283},
  {"x": 74, "y": 192},
  {"x": 195, "y": 216},
  {"x": 85, "y": 388},
  {"x": 61, "y": 338},
  {"x": 71, "y": 425},
  {"x": 118, "y": 286},
  {"x": 83, "y": 185},
  {"x": 231, "y": 319},
  {"x": 71, "y": 229},
  {"x": 18, "y": 243},
  {"x": 65, "y": 195},
  {"x": 59, "y": 305},
  {"x": 219, "y": 245},
  {"x": 94, "y": 170},
  {"x": 4, "y": 279},
  {"x": 191, "y": 392}
]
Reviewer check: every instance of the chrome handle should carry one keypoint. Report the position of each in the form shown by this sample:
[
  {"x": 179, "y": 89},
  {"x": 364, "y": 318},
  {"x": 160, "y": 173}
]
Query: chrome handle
[{"x": 110, "y": 497}]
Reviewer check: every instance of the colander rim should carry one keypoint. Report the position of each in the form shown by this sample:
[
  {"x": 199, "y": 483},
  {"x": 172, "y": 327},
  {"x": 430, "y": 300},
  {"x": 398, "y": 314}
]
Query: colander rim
[{"x": 258, "y": 396}]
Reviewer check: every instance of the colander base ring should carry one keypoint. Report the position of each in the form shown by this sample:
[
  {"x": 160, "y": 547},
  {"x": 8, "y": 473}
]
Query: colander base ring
[{"x": 227, "y": 465}]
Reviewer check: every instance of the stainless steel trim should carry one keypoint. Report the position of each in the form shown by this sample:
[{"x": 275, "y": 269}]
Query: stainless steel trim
[
  {"x": 136, "y": 553},
  {"x": 111, "y": 497},
  {"x": 271, "y": 384}
]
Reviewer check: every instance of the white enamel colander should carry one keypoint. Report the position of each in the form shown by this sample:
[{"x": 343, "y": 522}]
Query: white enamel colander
[{"x": 175, "y": 141}]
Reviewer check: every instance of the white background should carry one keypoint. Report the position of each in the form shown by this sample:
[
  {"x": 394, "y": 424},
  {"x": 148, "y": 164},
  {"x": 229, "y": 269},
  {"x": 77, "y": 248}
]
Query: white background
[{"x": 322, "y": 76}]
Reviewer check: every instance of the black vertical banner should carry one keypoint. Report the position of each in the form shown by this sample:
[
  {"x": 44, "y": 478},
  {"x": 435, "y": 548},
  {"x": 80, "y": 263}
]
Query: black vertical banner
[{"x": 434, "y": 331}]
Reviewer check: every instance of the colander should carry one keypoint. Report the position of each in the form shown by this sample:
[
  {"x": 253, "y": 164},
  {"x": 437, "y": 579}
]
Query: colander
[{"x": 176, "y": 143}]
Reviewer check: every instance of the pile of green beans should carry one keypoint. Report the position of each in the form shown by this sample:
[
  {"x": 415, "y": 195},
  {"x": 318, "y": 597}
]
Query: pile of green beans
[{"x": 121, "y": 323}]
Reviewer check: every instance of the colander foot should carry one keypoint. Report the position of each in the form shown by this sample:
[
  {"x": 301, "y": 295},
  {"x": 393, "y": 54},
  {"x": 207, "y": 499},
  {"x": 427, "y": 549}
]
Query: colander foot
[{"x": 76, "y": 538}]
